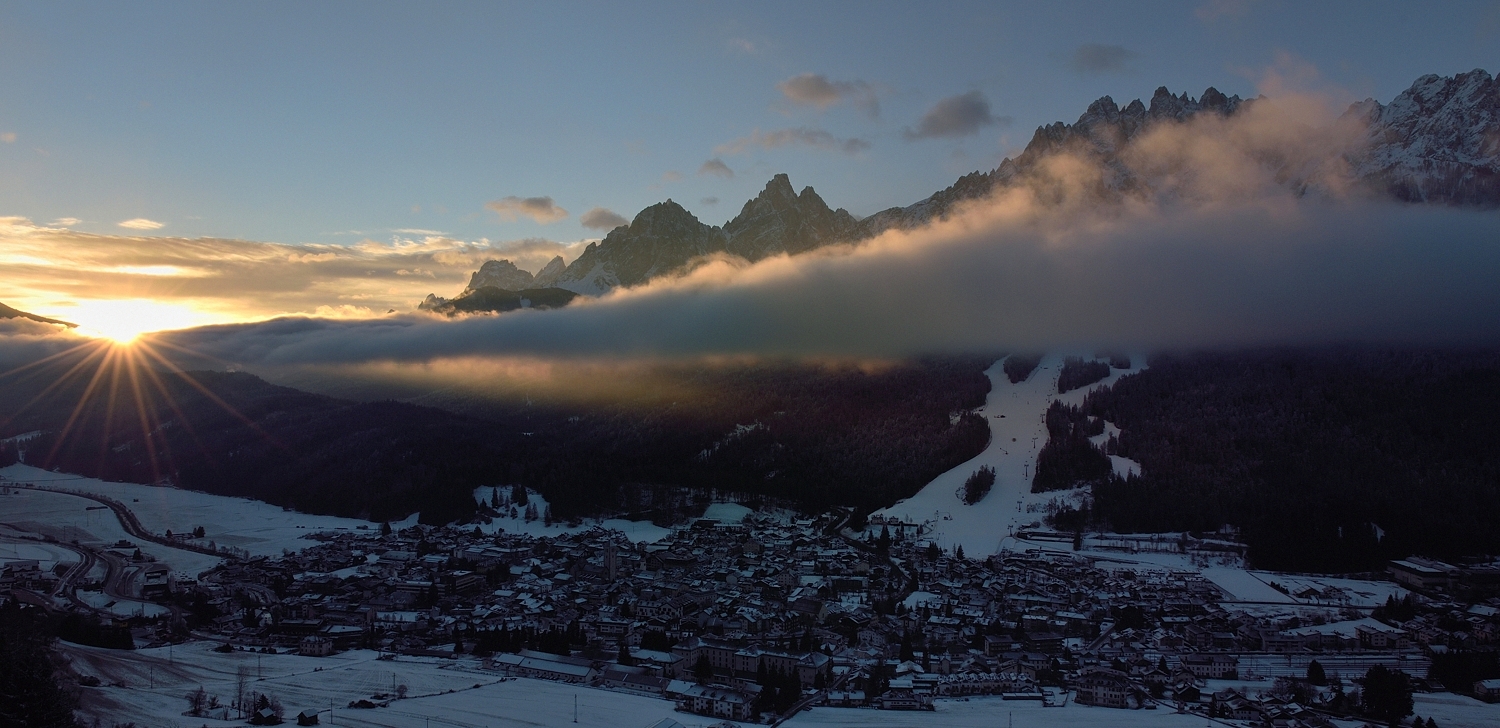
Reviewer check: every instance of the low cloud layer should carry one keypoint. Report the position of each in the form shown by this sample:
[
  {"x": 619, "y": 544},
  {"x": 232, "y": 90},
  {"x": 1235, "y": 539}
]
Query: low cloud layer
[
  {"x": 600, "y": 218},
  {"x": 799, "y": 136},
  {"x": 1307, "y": 272},
  {"x": 140, "y": 223},
  {"x": 956, "y": 116},
  {"x": 1100, "y": 58},
  {"x": 814, "y": 89},
  {"x": 541, "y": 209}
]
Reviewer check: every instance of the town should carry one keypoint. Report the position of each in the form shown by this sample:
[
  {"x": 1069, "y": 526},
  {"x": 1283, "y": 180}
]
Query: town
[{"x": 753, "y": 616}]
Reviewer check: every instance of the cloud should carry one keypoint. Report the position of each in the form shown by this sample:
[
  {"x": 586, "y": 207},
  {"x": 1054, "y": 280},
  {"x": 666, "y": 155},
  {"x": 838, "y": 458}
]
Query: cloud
[
  {"x": 141, "y": 223},
  {"x": 65, "y": 222},
  {"x": 671, "y": 175},
  {"x": 743, "y": 46},
  {"x": 418, "y": 231},
  {"x": 600, "y": 218},
  {"x": 717, "y": 168},
  {"x": 814, "y": 89},
  {"x": 800, "y": 136},
  {"x": 1100, "y": 58},
  {"x": 8, "y": 137},
  {"x": 956, "y": 116},
  {"x": 710, "y": 200},
  {"x": 541, "y": 209}
]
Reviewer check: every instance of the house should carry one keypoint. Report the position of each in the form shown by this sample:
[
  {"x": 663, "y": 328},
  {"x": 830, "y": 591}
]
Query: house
[
  {"x": 904, "y": 699},
  {"x": 1106, "y": 688},
  {"x": 1488, "y": 690},
  {"x": 315, "y": 646},
  {"x": 1420, "y": 573},
  {"x": 717, "y": 702},
  {"x": 307, "y": 717},
  {"x": 1212, "y": 667}
]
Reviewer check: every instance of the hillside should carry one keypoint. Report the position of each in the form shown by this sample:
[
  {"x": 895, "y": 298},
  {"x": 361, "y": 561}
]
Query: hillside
[
  {"x": 811, "y": 435},
  {"x": 1329, "y": 460}
]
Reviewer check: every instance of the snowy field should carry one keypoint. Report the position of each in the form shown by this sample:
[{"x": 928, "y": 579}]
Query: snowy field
[
  {"x": 992, "y": 712},
  {"x": 634, "y": 530},
  {"x": 47, "y": 556},
  {"x": 148, "y": 687},
  {"x": 1016, "y": 415},
  {"x": 67, "y": 518},
  {"x": 1450, "y": 711},
  {"x": 257, "y": 527},
  {"x": 444, "y": 692}
]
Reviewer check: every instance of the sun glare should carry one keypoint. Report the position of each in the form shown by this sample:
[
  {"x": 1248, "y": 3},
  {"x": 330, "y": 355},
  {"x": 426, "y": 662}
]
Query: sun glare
[{"x": 122, "y": 321}]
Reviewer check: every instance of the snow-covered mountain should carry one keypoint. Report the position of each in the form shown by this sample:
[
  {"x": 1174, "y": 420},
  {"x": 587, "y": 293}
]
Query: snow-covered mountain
[
  {"x": 499, "y": 274},
  {"x": 1436, "y": 142}
]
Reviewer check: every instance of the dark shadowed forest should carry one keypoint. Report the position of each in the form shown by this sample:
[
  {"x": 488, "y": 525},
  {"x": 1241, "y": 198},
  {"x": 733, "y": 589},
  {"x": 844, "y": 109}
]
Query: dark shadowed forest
[
  {"x": 1331, "y": 460},
  {"x": 809, "y": 435}
]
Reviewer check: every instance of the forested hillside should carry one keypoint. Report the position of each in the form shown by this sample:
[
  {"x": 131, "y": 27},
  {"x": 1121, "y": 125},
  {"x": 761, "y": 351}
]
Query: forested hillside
[
  {"x": 1328, "y": 460},
  {"x": 813, "y": 435}
]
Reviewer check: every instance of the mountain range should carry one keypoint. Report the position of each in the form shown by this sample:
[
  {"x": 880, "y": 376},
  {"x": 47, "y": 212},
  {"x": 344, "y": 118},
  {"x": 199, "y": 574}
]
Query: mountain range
[{"x": 1436, "y": 142}]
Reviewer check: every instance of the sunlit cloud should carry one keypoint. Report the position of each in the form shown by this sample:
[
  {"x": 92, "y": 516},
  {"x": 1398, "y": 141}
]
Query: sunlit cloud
[
  {"x": 8, "y": 137},
  {"x": 64, "y": 222},
  {"x": 541, "y": 209},
  {"x": 141, "y": 223}
]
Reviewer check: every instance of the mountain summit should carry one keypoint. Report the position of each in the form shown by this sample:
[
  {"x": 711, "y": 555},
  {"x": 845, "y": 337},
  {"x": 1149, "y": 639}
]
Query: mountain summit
[{"x": 1436, "y": 142}]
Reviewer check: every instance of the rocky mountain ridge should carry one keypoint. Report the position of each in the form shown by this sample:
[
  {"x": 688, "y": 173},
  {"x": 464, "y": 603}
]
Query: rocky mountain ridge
[{"x": 1437, "y": 142}]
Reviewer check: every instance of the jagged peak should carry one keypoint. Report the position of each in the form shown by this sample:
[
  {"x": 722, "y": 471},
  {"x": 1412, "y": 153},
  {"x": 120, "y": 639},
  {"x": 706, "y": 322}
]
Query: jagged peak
[{"x": 779, "y": 186}]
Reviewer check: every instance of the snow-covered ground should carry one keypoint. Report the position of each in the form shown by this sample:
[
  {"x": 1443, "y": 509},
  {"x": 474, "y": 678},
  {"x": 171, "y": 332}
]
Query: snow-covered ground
[
  {"x": 255, "y": 526},
  {"x": 993, "y": 712},
  {"x": 1016, "y": 415},
  {"x": 444, "y": 692},
  {"x": 47, "y": 556},
  {"x": 1245, "y": 586},
  {"x": 68, "y": 518},
  {"x": 634, "y": 530}
]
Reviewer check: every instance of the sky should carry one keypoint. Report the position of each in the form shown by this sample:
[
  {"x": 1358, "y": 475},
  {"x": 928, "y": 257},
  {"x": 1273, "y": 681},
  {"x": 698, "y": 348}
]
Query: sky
[{"x": 188, "y": 157}]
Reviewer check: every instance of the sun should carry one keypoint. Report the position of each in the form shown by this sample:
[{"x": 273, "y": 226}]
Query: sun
[{"x": 123, "y": 321}]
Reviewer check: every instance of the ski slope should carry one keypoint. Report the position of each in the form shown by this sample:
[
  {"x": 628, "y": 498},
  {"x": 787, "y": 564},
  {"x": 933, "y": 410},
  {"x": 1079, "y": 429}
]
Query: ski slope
[{"x": 1016, "y": 415}]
